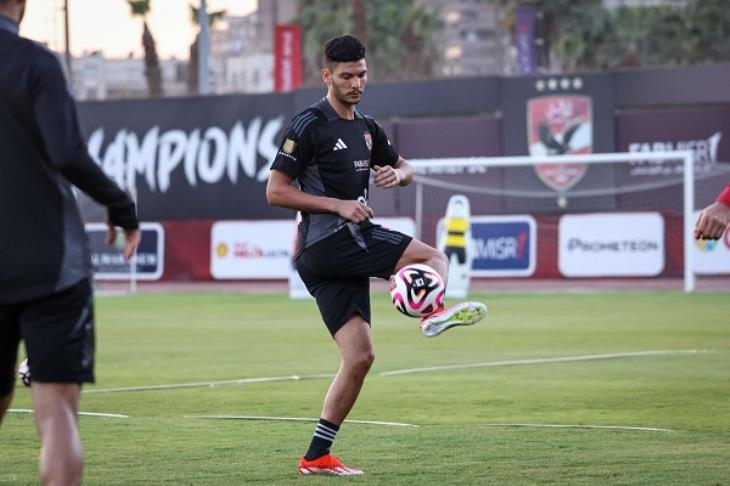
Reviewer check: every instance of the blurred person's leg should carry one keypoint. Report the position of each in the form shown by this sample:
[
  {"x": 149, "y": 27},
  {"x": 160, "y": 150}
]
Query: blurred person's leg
[
  {"x": 9, "y": 340},
  {"x": 56, "y": 407},
  {"x": 58, "y": 331}
]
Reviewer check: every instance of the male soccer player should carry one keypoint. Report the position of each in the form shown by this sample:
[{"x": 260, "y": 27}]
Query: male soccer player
[
  {"x": 715, "y": 218},
  {"x": 45, "y": 266},
  {"x": 330, "y": 149}
]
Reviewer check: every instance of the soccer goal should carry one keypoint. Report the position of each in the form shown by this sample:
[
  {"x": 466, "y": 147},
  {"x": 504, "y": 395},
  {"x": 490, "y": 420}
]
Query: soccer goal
[{"x": 583, "y": 218}]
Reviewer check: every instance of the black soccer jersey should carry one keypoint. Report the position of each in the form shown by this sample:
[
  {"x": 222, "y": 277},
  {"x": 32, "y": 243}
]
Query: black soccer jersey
[
  {"x": 330, "y": 156},
  {"x": 43, "y": 247}
]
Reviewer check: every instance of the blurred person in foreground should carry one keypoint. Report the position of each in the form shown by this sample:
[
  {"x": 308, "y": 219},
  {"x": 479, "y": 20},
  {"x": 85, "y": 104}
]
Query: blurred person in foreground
[
  {"x": 46, "y": 294},
  {"x": 715, "y": 218},
  {"x": 330, "y": 149}
]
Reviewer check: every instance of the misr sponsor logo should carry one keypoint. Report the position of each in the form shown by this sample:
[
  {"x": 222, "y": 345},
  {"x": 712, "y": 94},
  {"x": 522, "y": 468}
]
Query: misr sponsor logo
[
  {"x": 503, "y": 245},
  {"x": 502, "y": 248}
]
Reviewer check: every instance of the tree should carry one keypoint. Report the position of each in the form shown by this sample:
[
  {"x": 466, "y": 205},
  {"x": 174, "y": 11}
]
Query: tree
[
  {"x": 585, "y": 35},
  {"x": 213, "y": 18},
  {"x": 398, "y": 35},
  {"x": 140, "y": 8}
]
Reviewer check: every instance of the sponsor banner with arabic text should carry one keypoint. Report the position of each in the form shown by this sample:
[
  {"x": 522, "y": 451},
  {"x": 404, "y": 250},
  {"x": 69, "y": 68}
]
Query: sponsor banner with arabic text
[{"x": 263, "y": 249}]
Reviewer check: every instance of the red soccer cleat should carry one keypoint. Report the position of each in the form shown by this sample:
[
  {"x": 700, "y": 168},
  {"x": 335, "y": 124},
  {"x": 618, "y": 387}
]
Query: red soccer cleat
[{"x": 327, "y": 464}]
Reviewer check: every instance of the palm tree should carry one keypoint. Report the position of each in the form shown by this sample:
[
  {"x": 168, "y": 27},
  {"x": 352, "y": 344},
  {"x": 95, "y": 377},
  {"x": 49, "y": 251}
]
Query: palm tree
[
  {"x": 213, "y": 17},
  {"x": 140, "y": 8}
]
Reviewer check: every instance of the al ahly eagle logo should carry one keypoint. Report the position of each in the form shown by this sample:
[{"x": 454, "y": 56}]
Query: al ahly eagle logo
[{"x": 558, "y": 125}]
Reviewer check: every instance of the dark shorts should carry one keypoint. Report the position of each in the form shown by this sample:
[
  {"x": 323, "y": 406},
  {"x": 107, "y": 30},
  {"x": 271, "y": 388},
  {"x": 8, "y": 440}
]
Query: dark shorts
[
  {"x": 337, "y": 270},
  {"x": 58, "y": 331}
]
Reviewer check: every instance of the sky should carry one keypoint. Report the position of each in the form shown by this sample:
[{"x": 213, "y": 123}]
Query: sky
[{"x": 108, "y": 26}]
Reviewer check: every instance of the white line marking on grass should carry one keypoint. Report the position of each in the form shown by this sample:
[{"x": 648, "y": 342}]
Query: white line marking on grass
[
  {"x": 563, "y": 359},
  {"x": 209, "y": 384},
  {"x": 580, "y": 426},
  {"x": 85, "y": 414},
  {"x": 297, "y": 419}
]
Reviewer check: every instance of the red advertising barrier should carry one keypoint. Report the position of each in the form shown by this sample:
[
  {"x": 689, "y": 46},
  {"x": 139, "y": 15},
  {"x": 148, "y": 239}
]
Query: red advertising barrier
[{"x": 188, "y": 248}]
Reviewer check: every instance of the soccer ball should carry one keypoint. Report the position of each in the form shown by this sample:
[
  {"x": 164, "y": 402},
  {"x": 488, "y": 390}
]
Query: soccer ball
[
  {"x": 417, "y": 290},
  {"x": 24, "y": 372}
]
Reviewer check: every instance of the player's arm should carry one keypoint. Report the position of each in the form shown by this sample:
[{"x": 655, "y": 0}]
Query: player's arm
[
  {"x": 714, "y": 218},
  {"x": 389, "y": 168},
  {"x": 398, "y": 174},
  {"x": 281, "y": 192},
  {"x": 55, "y": 114}
]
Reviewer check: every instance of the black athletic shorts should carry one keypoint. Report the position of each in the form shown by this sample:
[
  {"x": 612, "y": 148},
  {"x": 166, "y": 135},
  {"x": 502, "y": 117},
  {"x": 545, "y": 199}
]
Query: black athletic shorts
[
  {"x": 58, "y": 331},
  {"x": 337, "y": 270}
]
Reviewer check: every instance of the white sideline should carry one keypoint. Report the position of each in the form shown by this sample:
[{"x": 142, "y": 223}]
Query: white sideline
[
  {"x": 297, "y": 419},
  {"x": 210, "y": 384},
  {"x": 580, "y": 426},
  {"x": 486, "y": 364},
  {"x": 564, "y": 359},
  {"x": 85, "y": 414}
]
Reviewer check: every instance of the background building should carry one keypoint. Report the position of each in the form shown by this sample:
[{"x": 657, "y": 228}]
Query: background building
[
  {"x": 472, "y": 41},
  {"x": 96, "y": 77}
]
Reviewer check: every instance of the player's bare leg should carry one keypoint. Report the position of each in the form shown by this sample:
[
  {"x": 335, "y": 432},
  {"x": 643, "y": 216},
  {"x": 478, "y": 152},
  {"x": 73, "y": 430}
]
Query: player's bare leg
[
  {"x": 419, "y": 252},
  {"x": 356, "y": 349},
  {"x": 56, "y": 409}
]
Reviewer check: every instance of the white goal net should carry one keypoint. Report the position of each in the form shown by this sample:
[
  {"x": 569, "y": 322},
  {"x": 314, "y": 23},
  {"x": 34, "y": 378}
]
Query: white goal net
[{"x": 583, "y": 218}]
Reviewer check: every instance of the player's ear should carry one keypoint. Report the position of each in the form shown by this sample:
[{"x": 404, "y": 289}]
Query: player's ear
[{"x": 326, "y": 76}]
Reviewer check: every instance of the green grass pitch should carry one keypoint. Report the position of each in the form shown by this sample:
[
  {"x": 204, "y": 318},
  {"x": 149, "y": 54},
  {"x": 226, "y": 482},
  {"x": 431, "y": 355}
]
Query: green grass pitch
[{"x": 167, "y": 339}]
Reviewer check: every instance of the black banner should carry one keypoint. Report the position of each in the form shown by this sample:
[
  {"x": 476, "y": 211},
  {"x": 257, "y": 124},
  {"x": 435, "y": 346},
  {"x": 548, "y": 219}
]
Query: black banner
[{"x": 190, "y": 158}]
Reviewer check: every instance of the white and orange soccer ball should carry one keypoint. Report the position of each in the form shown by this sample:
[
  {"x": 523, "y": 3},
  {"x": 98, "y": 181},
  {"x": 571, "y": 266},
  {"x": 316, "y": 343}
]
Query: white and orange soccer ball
[{"x": 417, "y": 290}]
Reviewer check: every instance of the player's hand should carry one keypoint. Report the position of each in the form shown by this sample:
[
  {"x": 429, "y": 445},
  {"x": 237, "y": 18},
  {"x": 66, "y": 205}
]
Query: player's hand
[
  {"x": 386, "y": 176},
  {"x": 712, "y": 222},
  {"x": 354, "y": 211},
  {"x": 131, "y": 240}
]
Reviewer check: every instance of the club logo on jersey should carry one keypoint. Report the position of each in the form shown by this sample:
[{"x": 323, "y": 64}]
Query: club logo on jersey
[
  {"x": 558, "y": 125},
  {"x": 289, "y": 146},
  {"x": 340, "y": 145},
  {"x": 368, "y": 140}
]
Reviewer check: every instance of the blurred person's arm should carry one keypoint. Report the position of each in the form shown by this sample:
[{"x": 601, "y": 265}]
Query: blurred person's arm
[
  {"x": 715, "y": 218},
  {"x": 55, "y": 113}
]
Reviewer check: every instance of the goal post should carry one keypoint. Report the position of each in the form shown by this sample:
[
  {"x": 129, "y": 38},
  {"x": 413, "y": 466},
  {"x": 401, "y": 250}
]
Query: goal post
[{"x": 471, "y": 176}]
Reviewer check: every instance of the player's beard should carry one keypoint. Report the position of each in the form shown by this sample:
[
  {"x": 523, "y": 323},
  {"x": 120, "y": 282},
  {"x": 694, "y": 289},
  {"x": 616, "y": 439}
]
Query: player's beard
[{"x": 344, "y": 99}]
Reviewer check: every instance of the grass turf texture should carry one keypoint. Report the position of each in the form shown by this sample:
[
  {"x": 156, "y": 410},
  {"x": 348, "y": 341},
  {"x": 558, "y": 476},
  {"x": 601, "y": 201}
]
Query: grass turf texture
[{"x": 160, "y": 339}]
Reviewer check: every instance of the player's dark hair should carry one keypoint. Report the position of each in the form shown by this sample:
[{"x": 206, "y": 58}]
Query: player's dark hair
[{"x": 345, "y": 48}]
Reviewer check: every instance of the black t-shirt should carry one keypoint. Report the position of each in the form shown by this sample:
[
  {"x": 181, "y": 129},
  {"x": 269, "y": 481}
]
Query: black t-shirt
[
  {"x": 43, "y": 247},
  {"x": 330, "y": 156}
]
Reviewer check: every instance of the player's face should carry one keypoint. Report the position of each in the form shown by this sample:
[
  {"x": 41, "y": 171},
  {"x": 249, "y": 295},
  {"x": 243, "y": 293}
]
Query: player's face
[{"x": 347, "y": 81}]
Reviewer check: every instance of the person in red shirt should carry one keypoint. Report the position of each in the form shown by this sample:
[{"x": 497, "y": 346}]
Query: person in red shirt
[{"x": 715, "y": 218}]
